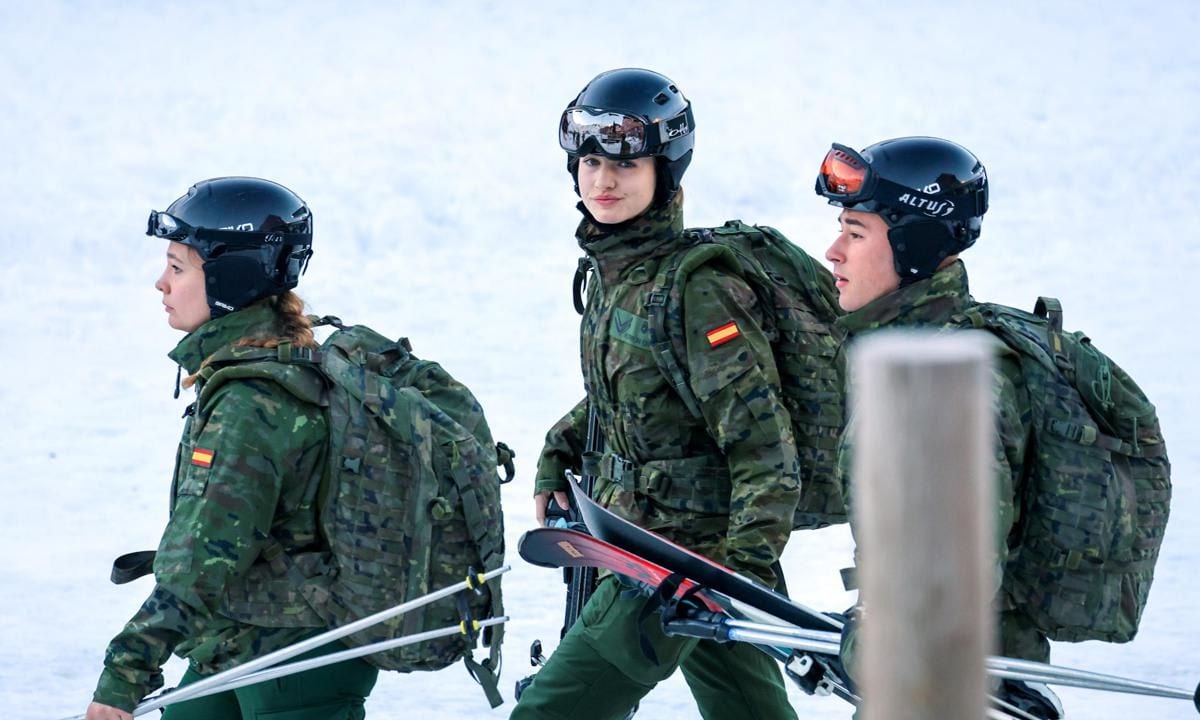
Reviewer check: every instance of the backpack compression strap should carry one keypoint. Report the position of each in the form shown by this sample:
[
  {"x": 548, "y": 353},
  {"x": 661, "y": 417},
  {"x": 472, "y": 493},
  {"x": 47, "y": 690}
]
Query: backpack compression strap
[{"x": 485, "y": 672}]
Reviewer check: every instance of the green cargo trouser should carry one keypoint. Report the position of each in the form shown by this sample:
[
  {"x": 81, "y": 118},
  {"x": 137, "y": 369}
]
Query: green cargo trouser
[
  {"x": 1020, "y": 639},
  {"x": 599, "y": 670},
  {"x": 333, "y": 692}
]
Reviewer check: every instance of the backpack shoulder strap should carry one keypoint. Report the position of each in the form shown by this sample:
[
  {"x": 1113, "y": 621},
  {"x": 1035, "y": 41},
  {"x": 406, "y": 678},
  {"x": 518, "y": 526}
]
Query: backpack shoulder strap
[
  {"x": 666, "y": 290},
  {"x": 296, "y": 369},
  {"x": 1022, "y": 333}
]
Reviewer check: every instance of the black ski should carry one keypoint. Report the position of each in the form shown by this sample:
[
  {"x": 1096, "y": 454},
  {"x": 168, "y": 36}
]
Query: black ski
[
  {"x": 660, "y": 551},
  {"x": 561, "y": 547},
  {"x": 720, "y": 581},
  {"x": 552, "y": 547}
]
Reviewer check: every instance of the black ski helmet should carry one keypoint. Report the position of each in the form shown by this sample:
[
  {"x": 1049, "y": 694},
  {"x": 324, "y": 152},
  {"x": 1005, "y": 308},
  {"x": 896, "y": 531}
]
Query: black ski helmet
[
  {"x": 631, "y": 113},
  {"x": 932, "y": 193},
  {"x": 255, "y": 237}
]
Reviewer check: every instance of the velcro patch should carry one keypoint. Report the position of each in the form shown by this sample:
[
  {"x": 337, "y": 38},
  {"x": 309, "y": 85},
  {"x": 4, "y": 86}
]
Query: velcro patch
[
  {"x": 202, "y": 457},
  {"x": 723, "y": 334},
  {"x": 630, "y": 328}
]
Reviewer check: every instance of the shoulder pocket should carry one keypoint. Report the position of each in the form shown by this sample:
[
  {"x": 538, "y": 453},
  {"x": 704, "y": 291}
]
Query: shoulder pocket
[{"x": 192, "y": 469}]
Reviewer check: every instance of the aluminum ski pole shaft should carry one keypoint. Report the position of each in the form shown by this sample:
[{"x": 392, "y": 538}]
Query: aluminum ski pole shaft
[
  {"x": 1001, "y": 667},
  {"x": 266, "y": 661},
  {"x": 317, "y": 662},
  {"x": 998, "y": 666},
  {"x": 1016, "y": 669}
]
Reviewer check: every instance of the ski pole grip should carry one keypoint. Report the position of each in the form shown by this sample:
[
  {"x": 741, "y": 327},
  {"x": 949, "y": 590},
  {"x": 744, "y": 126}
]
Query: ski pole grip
[{"x": 694, "y": 628}]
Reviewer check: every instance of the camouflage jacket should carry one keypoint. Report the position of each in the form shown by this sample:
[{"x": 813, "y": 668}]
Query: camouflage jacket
[
  {"x": 932, "y": 304},
  {"x": 725, "y": 485},
  {"x": 247, "y": 469}
]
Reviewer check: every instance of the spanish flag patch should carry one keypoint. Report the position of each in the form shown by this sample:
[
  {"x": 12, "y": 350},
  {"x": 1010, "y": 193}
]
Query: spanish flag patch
[
  {"x": 723, "y": 334},
  {"x": 202, "y": 457}
]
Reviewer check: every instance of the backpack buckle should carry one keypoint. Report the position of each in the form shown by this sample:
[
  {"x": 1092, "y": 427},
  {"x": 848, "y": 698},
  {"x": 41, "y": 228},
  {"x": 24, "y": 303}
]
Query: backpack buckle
[{"x": 623, "y": 472}]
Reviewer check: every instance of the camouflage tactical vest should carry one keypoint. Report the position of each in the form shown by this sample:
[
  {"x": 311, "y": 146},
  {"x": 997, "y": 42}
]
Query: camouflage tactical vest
[
  {"x": 799, "y": 299},
  {"x": 1097, "y": 481},
  {"x": 410, "y": 500}
]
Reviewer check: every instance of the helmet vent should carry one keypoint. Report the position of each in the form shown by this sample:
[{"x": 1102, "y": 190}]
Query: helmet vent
[{"x": 661, "y": 98}]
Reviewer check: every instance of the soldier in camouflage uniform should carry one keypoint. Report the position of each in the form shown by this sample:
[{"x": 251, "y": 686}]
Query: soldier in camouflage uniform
[
  {"x": 910, "y": 205},
  {"x": 725, "y": 484},
  {"x": 247, "y": 471}
]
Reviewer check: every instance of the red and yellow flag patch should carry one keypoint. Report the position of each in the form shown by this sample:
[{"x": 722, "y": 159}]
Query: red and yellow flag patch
[
  {"x": 723, "y": 334},
  {"x": 202, "y": 457}
]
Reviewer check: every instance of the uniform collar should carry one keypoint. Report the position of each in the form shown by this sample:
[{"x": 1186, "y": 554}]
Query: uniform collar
[
  {"x": 926, "y": 302},
  {"x": 617, "y": 248},
  {"x": 222, "y": 332}
]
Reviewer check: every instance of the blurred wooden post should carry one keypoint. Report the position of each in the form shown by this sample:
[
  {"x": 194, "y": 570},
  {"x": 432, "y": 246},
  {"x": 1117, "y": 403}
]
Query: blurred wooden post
[{"x": 923, "y": 500}]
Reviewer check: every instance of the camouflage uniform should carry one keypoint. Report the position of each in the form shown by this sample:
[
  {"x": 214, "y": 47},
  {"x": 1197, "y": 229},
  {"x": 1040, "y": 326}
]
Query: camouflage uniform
[
  {"x": 725, "y": 485},
  {"x": 247, "y": 470},
  {"x": 933, "y": 303}
]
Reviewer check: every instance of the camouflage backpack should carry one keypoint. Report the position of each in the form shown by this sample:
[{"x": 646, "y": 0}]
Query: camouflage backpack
[
  {"x": 1097, "y": 481},
  {"x": 801, "y": 305},
  {"x": 410, "y": 500}
]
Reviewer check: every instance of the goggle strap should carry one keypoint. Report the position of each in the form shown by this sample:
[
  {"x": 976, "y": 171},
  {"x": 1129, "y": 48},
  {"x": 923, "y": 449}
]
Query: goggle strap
[
  {"x": 683, "y": 122},
  {"x": 241, "y": 237}
]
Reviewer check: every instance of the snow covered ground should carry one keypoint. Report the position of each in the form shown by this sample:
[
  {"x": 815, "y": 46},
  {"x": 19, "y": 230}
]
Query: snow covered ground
[{"x": 423, "y": 135}]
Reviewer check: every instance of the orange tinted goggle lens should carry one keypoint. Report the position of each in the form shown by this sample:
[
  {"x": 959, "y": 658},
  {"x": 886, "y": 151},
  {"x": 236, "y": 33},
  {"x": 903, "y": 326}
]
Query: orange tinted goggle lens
[{"x": 843, "y": 173}]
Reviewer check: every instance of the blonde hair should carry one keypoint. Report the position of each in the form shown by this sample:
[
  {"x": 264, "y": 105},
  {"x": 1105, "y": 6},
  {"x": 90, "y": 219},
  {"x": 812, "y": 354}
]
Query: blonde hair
[{"x": 291, "y": 326}]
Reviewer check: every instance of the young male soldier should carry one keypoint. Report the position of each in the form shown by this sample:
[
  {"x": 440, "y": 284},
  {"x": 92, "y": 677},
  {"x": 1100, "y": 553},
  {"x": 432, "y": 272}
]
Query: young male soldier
[{"x": 909, "y": 206}]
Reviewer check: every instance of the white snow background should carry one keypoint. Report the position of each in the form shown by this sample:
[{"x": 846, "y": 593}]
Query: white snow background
[{"x": 422, "y": 134}]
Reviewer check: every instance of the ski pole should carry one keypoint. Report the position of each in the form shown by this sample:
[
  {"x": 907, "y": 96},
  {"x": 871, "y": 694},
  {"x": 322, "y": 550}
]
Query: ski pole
[
  {"x": 1016, "y": 669},
  {"x": 266, "y": 661},
  {"x": 317, "y": 662},
  {"x": 998, "y": 666}
]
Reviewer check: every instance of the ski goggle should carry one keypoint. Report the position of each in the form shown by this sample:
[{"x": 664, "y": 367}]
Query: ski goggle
[
  {"x": 165, "y": 225},
  {"x": 209, "y": 242},
  {"x": 846, "y": 176},
  {"x": 847, "y": 179},
  {"x": 619, "y": 134}
]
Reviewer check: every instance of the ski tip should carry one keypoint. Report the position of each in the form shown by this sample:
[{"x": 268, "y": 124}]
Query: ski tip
[{"x": 521, "y": 544}]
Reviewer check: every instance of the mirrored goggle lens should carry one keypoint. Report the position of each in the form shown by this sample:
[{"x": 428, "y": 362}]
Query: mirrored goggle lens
[
  {"x": 843, "y": 172},
  {"x": 162, "y": 225},
  {"x": 614, "y": 133}
]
